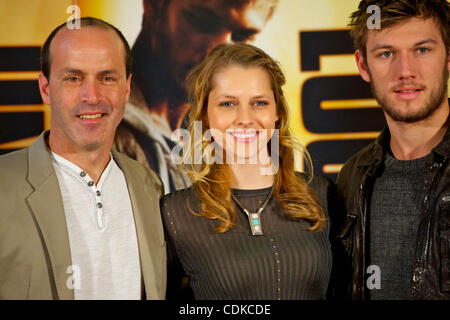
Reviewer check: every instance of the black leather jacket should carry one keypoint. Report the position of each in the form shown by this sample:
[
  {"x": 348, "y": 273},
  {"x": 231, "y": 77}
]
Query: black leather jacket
[{"x": 431, "y": 272}]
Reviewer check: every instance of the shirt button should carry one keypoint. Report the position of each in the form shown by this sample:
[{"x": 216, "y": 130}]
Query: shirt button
[
  {"x": 83, "y": 174},
  {"x": 90, "y": 183},
  {"x": 97, "y": 193},
  {"x": 99, "y": 205}
]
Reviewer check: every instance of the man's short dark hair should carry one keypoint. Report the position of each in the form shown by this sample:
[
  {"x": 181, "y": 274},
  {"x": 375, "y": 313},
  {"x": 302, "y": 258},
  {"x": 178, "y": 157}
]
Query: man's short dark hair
[{"x": 84, "y": 22}]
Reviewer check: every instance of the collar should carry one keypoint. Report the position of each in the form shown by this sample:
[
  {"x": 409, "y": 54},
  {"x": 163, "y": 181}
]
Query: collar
[
  {"x": 443, "y": 148},
  {"x": 79, "y": 173},
  {"x": 379, "y": 148}
]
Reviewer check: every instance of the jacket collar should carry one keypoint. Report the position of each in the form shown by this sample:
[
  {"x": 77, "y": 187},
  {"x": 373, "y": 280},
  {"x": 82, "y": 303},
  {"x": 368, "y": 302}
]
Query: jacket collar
[
  {"x": 47, "y": 207},
  {"x": 379, "y": 148},
  {"x": 443, "y": 148},
  {"x": 145, "y": 199}
]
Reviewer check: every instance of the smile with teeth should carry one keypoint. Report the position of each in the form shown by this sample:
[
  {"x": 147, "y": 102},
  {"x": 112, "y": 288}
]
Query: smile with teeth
[
  {"x": 244, "y": 136},
  {"x": 91, "y": 116},
  {"x": 408, "y": 91}
]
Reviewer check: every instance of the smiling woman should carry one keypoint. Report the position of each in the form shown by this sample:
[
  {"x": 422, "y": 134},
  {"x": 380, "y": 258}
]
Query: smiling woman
[
  {"x": 240, "y": 232},
  {"x": 241, "y": 109}
]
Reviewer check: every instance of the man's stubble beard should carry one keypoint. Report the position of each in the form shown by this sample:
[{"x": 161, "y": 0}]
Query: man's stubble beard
[{"x": 432, "y": 103}]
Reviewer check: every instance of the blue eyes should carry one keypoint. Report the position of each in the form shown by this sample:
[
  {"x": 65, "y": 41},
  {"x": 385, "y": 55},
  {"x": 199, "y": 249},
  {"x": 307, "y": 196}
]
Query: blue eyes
[
  {"x": 229, "y": 104},
  {"x": 388, "y": 54},
  {"x": 226, "y": 104}
]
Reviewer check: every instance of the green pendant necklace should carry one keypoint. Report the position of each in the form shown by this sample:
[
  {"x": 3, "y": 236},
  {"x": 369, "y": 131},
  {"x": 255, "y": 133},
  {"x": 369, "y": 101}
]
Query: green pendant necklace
[{"x": 254, "y": 218}]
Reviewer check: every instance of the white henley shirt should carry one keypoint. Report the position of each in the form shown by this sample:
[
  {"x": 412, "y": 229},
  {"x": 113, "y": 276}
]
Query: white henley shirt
[{"x": 102, "y": 232}]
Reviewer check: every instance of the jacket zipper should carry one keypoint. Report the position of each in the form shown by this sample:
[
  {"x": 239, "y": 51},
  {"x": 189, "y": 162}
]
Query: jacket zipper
[{"x": 362, "y": 205}]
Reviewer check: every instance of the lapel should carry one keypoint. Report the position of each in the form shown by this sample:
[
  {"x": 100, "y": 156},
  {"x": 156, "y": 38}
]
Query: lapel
[
  {"x": 145, "y": 198},
  {"x": 47, "y": 207}
]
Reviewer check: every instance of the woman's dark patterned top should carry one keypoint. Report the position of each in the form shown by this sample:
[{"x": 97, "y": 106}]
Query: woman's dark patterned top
[{"x": 286, "y": 262}]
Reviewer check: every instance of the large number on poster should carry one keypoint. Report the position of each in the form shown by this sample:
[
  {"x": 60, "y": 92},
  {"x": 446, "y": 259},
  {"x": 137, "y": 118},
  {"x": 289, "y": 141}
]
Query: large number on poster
[
  {"x": 21, "y": 116},
  {"x": 317, "y": 90}
]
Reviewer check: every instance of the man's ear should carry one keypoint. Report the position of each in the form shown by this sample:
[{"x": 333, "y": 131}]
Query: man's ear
[
  {"x": 128, "y": 89},
  {"x": 44, "y": 89},
  {"x": 362, "y": 66},
  {"x": 448, "y": 58}
]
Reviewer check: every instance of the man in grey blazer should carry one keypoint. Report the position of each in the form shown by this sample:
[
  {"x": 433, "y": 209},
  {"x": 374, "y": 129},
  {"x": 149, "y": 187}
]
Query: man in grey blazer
[{"x": 77, "y": 219}]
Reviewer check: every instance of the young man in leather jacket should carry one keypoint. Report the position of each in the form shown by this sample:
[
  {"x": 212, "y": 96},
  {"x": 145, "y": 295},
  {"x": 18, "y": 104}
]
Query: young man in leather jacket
[{"x": 396, "y": 191}]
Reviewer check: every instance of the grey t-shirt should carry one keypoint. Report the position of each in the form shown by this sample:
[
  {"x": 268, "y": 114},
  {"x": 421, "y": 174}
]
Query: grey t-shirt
[{"x": 393, "y": 221}]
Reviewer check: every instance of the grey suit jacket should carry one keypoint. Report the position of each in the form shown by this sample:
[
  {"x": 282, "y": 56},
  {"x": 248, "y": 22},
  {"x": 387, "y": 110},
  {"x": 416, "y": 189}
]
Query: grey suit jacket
[{"x": 34, "y": 242}]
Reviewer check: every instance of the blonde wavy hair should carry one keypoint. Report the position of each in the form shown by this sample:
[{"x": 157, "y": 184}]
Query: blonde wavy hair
[{"x": 211, "y": 181}]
